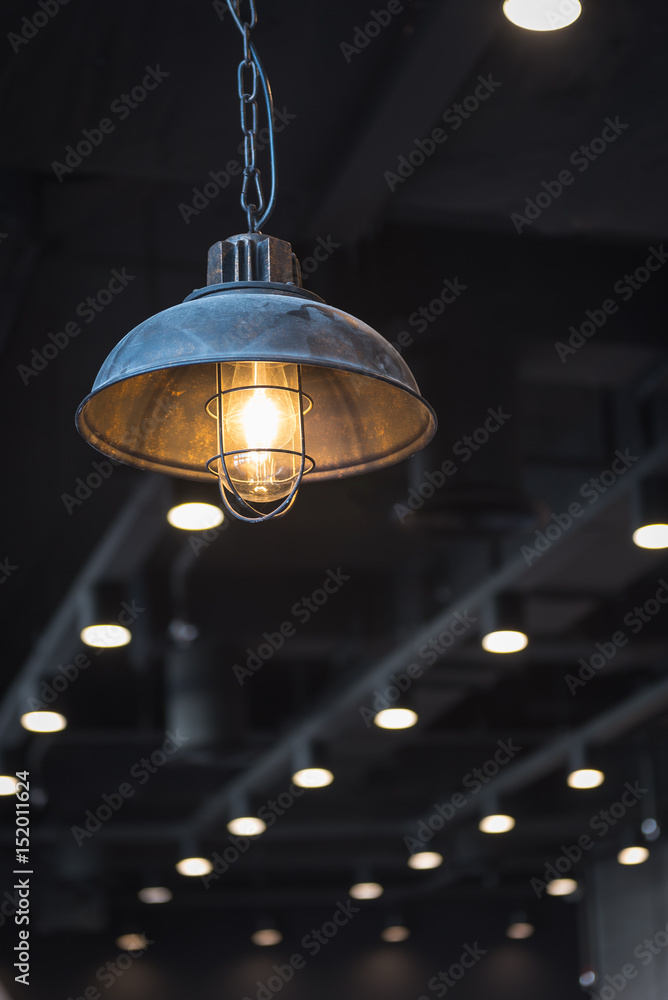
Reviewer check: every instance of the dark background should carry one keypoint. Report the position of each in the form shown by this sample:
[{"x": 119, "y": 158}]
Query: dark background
[{"x": 494, "y": 347}]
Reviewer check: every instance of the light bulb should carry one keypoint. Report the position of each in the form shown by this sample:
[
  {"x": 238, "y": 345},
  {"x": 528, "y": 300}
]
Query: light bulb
[
  {"x": 192, "y": 867},
  {"x": 105, "y": 636},
  {"x": 8, "y": 784},
  {"x": 195, "y": 516},
  {"x": 261, "y": 429},
  {"x": 43, "y": 722},
  {"x": 153, "y": 894},
  {"x": 395, "y": 718},
  {"x": 395, "y": 933},
  {"x": 132, "y": 942},
  {"x": 542, "y": 15},
  {"x": 651, "y": 536},
  {"x": 520, "y": 931},
  {"x": 496, "y": 823},
  {"x": 266, "y": 937},
  {"x": 504, "y": 641},
  {"x": 313, "y": 777},
  {"x": 633, "y": 856},
  {"x": 586, "y": 777},
  {"x": 366, "y": 890},
  {"x": 424, "y": 860},
  {"x": 561, "y": 887},
  {"x": 247, "y": 826}
]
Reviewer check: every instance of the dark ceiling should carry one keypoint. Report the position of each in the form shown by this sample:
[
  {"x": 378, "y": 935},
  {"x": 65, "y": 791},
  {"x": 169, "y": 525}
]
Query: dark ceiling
[{"x": 350, "y": 118}]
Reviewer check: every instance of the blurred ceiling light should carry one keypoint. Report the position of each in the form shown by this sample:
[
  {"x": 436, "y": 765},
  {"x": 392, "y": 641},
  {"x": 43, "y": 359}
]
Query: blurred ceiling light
[
  {"x": 313, "y": 777},
  {"x": 195, "y": 516},
  {"x": 505, "y": 641},
  {"x": 247, "y": 826},
  {"x": 395, "y": 934},
  {"x": 651, "y": 536},
  {"x": 520, "y": 931},
  {"x": 586, "y": 777},
  {"x": 366, "y": 890},
  {"x": 395, "y": 718},
  {"x": 105, "y": 636},
  {"x": 425, "y": 859},
  {"x": 192, "y": 867},
  {"x": 561, "y": 887},
  {"x": 633, "y": 856},
  {"x": 265, "y": 937},
  {"x": 542, "y": 15},
  {"x": 43, "y": 722},
  {"x": 132, "y": 942},
  {"x": 155, "y": 894},
  {"x": 496, "y": 823},
  {"x": 650, "y": 829},
  {"x": 587, "y": 978},
  {"x": 8, "y": 784}
]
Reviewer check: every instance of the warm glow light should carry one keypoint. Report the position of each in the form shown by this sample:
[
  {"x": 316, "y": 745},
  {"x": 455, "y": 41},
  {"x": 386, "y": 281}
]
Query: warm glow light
[
  {"x": 496, "y": 823},
  {"x": 425, "y": 859},
  {"x": 105, "y": 636},
  {"x": 247, "y": 826},
  {"x": 195, "y": 516},
  {"x": 43, "y": 722},
  {"x": 395, "y": 718},
  {"x": 561, "y": 887},
  {"x": 266, "y": 937},
  {"x": 366, "y": 890},
  {"x": 313, "y": 777},
  {"x": 194, "y": 867},
  {"x": 155, "y": 894},
  {"x": 504, "y": 641},
  {"x": 132, "y": 942},
  {"x": 261, "y": 429},
  {"x": 586, "y": 777},
  {"x": 651, "y": 536},
  {"x": 520, "y": 931},
  {"x": 633, "y": 856},
  {"x": 8, "y": 784},
  {"x": 542, "y": 15},
  {"x": 395, "y": 934}
]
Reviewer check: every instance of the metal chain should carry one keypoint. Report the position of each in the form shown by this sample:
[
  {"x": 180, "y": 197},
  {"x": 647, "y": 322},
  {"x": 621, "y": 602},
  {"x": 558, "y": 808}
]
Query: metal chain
[{"x": 248, "y": 73}]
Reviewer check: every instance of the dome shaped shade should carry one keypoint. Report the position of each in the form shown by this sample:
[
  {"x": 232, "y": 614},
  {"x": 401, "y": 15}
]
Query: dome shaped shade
[{"x": 147, "y": 406}]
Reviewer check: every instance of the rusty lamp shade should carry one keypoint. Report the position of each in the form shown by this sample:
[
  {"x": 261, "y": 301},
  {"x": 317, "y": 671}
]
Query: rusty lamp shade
[{"x": 155, "y": 400}]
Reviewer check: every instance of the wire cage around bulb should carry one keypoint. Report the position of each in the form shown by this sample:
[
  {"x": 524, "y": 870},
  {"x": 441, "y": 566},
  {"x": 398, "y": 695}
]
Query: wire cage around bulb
[{"x": 262, "y": 471}]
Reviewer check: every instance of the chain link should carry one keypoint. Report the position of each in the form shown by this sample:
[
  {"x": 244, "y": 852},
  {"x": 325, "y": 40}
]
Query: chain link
[{"x": 252, "y": 196}]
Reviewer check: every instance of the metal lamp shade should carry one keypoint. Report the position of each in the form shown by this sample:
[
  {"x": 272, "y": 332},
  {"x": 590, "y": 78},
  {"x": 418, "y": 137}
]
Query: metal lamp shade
[{"x": 148, "y": 404}]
